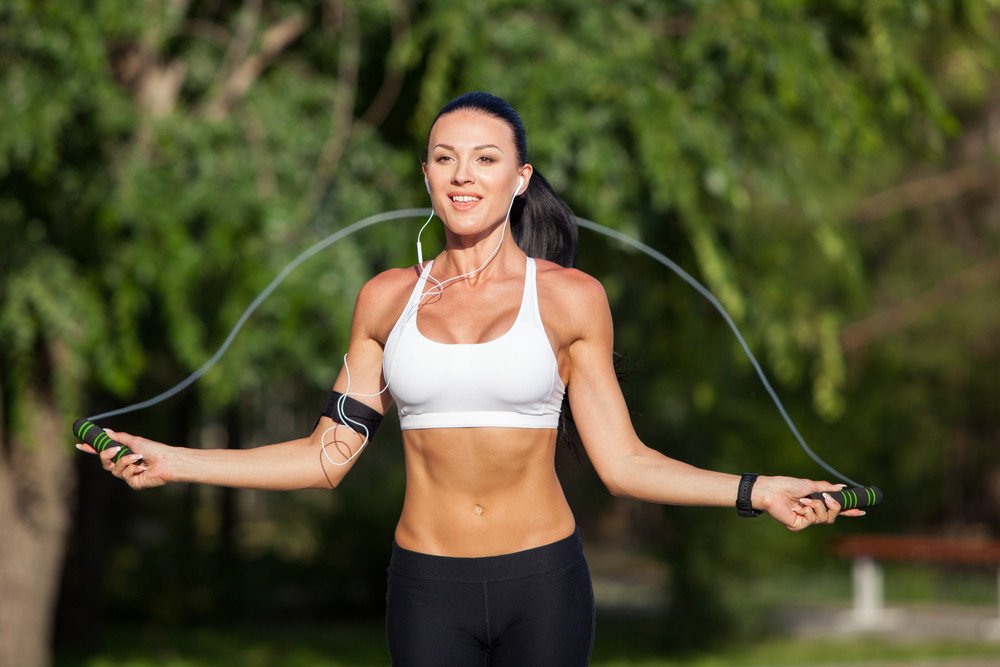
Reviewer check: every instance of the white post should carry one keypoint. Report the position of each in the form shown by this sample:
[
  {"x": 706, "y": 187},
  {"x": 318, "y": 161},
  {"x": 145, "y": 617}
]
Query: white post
[
  {"x": 869, "y": 595},
  {"x": 991, "y": 628}
]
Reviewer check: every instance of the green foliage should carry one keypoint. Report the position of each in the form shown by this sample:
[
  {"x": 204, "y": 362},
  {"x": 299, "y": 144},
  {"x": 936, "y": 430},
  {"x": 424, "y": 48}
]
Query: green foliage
[{"x": 160, "y": 162}]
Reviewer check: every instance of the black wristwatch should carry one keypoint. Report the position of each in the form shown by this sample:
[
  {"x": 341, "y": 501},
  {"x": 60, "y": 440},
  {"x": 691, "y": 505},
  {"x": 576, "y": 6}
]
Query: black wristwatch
[{"x": 743, "y": 506}]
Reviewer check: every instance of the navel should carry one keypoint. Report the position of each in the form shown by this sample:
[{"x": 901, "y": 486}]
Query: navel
[{"x": 478, "y": 509}]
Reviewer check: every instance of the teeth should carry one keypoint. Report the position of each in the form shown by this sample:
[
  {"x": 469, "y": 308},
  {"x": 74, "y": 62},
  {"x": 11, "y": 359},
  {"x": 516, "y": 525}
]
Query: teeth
[{"x": 464, "y": 198}]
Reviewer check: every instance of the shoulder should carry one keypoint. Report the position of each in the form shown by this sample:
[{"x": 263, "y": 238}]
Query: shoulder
[
  {"x": 573, "y": 304},
  {"x": 381, "y": 299},
  {"x": 388, "y": 285},
  {"x": 570, "y": 286}
]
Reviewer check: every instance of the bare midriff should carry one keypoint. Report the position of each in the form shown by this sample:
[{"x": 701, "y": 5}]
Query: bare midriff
[{"x": 481, "y": 492}]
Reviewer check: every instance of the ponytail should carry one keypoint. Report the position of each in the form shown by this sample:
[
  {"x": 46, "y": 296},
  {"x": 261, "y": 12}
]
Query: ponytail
[{"x": 543, "y": 224}]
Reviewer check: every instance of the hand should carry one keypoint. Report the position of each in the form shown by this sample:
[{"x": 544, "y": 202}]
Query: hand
[
  {"x": 784, "y": 498},
  {"x": 145, "y": 468}
]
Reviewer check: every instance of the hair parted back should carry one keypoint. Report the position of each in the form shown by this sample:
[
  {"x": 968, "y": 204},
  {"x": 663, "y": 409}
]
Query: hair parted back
[{"x": 542, "y": 224}]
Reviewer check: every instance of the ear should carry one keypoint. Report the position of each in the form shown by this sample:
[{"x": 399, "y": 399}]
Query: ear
[{"x": 525, "y": 172}]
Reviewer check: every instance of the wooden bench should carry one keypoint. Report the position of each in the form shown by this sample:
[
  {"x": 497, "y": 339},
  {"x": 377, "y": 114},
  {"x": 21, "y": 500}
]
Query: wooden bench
[{"x": 866, "y": 551}]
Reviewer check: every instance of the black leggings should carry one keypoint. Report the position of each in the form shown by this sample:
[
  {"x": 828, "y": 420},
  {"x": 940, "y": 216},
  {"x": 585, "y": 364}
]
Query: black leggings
[{"x": 533, "y": 607}]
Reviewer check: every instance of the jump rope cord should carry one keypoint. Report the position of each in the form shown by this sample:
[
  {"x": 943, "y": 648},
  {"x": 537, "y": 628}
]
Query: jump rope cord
[
  {"x": 701, "y": 289},
  {"x": 418, "y": 212},
  {"x": 265, "y": 293}
]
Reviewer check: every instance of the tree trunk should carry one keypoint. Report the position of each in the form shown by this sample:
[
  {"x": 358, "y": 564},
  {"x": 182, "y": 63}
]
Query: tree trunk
[{"x": 36, "y": 482}]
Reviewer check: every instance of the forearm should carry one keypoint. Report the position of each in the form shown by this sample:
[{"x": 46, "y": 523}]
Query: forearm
[
  {"x": 650, "y": 476},
  {"x": 296, "y": 464}
]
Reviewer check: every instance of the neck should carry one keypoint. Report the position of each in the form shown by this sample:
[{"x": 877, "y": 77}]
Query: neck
[{"x": 477, "y": 256}]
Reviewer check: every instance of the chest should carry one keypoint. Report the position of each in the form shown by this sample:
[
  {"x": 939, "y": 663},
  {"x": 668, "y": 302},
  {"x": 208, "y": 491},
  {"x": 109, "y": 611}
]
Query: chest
[{"x": 469, "y": 317}]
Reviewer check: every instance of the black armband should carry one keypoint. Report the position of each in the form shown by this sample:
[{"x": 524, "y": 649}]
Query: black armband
[{"x": 352, "y": 413}]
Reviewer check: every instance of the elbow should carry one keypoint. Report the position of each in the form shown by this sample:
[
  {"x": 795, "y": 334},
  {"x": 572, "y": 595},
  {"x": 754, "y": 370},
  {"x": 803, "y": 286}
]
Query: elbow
[
  {"x": 621, "y": 477},
  {"x": 618, "y": 491},
  {"x": 614, "y": 485},
  {"x": 327, "y": 482},
  {"x": 328, "y": 476}
]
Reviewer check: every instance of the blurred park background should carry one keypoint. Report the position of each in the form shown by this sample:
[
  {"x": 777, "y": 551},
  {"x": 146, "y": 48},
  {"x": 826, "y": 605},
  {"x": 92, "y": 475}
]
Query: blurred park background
[{"x": 829, "y": 168}]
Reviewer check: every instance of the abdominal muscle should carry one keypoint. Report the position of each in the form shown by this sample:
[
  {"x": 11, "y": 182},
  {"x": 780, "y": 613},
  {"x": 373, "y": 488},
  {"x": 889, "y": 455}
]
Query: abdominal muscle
[{"x": 481, "y": 492}]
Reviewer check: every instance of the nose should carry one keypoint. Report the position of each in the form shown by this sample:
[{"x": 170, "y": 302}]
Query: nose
[{"x": 463, "y": 173}]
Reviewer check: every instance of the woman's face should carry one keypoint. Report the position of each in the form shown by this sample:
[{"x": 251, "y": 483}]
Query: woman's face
[{"x": 472, "y": 170}]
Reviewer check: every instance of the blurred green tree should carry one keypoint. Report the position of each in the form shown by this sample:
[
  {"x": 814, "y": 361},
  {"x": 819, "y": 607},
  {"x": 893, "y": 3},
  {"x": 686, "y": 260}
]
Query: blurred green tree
[
  {"x": 159, "y": 162},
  {"x": 762, "y": 144}
]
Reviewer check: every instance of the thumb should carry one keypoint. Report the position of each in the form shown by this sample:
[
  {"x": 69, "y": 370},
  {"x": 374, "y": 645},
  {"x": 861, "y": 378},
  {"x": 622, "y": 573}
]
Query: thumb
[
  {"x": 126, "y": 439},
  {"x": 120, "y": 436}
]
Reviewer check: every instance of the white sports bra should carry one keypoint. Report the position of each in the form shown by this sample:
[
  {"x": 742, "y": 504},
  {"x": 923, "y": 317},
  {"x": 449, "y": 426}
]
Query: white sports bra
[{"x": 510, "y": 381}]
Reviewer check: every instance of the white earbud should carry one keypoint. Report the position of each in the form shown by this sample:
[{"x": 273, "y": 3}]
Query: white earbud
[
  {"x": 520, "y": 182},
  {"x": 427, "y": 184}
]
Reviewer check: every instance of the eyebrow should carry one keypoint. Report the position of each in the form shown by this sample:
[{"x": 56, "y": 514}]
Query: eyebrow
[{"x": 477, "y": 148}]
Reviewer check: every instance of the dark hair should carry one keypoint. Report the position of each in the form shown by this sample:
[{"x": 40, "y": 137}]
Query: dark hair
[{"x": 542, "y": 224}]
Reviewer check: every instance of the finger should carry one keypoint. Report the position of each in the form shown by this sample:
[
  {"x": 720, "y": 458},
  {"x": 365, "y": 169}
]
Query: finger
[
  {"x": 830, "y": 502},
  {"x": 818, "y": 509},
  {"x": 806, "y": 513},
  {"x": 832, "y": 507},
  {"x": 107, "y": 457},
  {"x": 853, "y": 513},
  {"x": 128, "y": 440},
  {"x": 131, "y": 472},
  {"x": 84, "y": 447},
  {"x": 124, "y": 463}
]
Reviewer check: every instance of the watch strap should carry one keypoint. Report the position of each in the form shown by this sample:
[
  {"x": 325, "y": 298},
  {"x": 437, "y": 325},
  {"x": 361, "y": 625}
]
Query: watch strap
[{"x": 743, "y": 505}]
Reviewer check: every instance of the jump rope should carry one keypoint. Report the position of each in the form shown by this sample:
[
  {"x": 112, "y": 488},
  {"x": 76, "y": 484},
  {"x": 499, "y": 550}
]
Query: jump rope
[{"x": 856, "y": 496}]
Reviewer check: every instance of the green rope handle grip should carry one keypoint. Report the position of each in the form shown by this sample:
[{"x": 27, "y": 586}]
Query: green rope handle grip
[
  {"x": 94, "y": 435},
  {"x": 854, "y": 498}
]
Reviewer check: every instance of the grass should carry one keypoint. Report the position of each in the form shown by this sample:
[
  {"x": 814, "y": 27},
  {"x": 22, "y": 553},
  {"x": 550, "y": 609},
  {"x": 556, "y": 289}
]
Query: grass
[{"x": 619, "y": 644}]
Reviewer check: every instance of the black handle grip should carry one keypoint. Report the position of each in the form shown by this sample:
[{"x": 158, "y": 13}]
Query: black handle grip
[
  {"x": 94, "y": 435},
  {"x": 859, "y": 496}
]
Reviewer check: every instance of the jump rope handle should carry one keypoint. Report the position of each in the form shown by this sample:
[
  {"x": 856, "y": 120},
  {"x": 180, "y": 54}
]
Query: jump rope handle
[
  {"x": 94, "y": 435},
  {"x": 854, "y": 498}
]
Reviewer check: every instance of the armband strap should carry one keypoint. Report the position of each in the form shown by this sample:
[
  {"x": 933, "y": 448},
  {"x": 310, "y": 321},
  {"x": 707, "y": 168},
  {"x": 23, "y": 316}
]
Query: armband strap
[{"x": 355, "y": 412}]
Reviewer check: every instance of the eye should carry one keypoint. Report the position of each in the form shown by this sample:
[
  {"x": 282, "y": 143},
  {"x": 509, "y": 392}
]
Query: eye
[
  {"x": 486, "y": 159},
  {"x": 441, "y": 159}
]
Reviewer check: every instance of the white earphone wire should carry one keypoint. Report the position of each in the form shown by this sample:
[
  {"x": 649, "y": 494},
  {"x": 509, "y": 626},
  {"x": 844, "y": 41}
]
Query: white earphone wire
[{"x": 411, "y": 312}]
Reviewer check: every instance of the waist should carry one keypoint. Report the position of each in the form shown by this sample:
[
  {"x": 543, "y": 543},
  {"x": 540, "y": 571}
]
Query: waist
[
  {"x": 479, "y": 492},
  {"x": 482, "y": 569}
]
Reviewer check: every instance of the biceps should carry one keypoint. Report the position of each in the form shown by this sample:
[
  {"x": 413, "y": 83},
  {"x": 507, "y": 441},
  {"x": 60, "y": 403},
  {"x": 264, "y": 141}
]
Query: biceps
[
  {"x": 361, "y": 375},
  {"x": 599, "y": 408}
]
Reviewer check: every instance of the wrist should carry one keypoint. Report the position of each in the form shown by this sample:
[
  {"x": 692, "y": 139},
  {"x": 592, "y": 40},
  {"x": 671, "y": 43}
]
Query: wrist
[
  {"x": 745, "y": 496},
  {"x": 178, "y": 465},
  {"x": 760, "y": 497}
]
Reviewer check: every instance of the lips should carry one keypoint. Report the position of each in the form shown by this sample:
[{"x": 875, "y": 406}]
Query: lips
[{"x": 463, "y": 201}]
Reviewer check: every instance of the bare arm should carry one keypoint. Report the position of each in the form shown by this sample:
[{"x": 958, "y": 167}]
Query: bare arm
[
  {"x": 631, "y": 469},
  {"x": 320, "y": 460}
]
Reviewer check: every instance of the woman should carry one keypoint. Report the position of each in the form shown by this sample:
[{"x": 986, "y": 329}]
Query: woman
[{"x": 478, "y": 348}]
